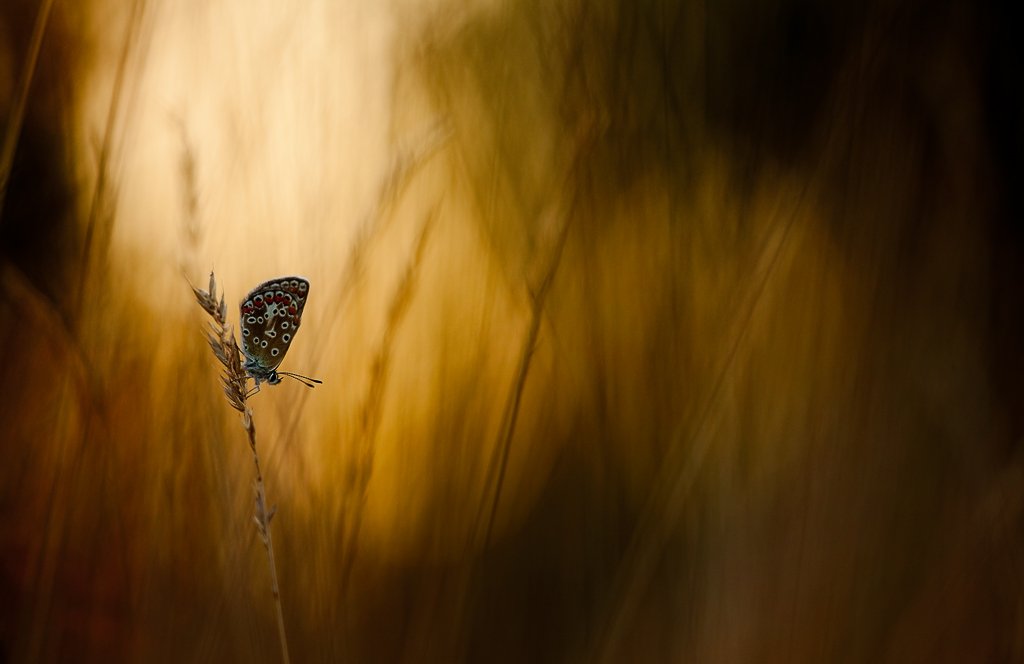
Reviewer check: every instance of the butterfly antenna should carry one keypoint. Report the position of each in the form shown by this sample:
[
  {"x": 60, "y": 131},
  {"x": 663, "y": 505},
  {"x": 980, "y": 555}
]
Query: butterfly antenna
[{"x": 305, "y": 380}]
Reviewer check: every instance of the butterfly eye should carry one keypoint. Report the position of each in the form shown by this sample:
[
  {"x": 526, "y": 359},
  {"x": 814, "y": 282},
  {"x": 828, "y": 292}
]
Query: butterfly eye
[
  {"x": 251, "y": 320},
  {"x": 263, "y": 343},
  {"x": 286, "y": 338},
  {"x": 245, "y": 332},
  {"x": 284, "y": 325},
  {"x": 255, "y": 340},
  {"x": 260, "y": 319},
  {"x": 302, "y": 287},
  {"x": 274, "y": 352}
]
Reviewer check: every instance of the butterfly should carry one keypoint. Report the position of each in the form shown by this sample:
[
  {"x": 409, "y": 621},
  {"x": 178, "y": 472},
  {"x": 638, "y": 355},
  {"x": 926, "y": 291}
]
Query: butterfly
[{"x": 271, "y": 314}]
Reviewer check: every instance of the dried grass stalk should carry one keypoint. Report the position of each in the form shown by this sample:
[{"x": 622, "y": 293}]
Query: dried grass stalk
[{"x": 234, "y": 381}]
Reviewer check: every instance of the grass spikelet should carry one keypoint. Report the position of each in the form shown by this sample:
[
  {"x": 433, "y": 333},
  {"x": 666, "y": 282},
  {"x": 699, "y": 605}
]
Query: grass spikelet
[{"x": 221, "y": 338}]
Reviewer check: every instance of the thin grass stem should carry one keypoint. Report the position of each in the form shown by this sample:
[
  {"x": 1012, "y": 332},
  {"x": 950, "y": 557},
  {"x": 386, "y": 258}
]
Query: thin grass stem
[
  {"x": 371, "y": 410},
  {"x": 234, "y": 381},
  {"x": 21, "y": 98}
]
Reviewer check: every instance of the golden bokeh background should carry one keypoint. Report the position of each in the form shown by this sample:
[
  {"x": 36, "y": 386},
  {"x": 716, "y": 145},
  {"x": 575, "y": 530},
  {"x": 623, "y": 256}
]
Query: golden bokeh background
[{"x": 658, "y": 331}]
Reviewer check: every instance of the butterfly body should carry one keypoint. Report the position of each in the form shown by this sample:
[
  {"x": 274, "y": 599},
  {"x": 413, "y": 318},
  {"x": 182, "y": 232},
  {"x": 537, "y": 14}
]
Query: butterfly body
[{"x": 270, "y": 316}]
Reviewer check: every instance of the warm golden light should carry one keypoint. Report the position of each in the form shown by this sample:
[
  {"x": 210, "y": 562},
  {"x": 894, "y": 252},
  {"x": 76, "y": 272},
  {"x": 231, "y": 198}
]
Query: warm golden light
[{"x": 648, "y": 332}]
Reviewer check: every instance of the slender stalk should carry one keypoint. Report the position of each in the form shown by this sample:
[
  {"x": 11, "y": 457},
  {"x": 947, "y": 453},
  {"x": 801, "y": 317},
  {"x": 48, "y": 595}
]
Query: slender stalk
[
  {"x": 401, "y": 172},
  {"x": 21, "y": 98},
  {"x": 98, "y": 207},
  {"x": 234, "y": 381},
  {"x": 687, "y": 452},
  {"x": 371, "y": 410},
  {"x": 262, "y": 517},
  {"x": 511, "y": 415}
]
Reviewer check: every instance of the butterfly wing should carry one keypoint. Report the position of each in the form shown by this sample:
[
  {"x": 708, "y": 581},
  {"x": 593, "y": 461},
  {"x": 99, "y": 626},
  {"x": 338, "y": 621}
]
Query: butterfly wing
[{"x": 270, "y": 316}]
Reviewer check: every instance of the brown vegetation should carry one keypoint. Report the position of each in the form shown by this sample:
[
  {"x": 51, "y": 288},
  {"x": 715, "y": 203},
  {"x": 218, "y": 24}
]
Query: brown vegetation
[{"x": 655, "y": 331}]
